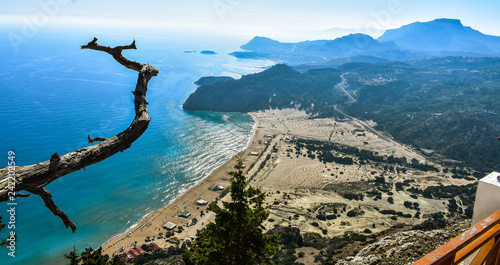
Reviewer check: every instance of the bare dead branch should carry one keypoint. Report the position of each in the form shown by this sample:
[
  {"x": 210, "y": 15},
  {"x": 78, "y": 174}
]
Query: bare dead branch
[
  {"x": 33, "y": 178},
  {"x": 97, "y": 139},
  {"x": 116, "y": 53},
  {"x": 47, "y": 199}
]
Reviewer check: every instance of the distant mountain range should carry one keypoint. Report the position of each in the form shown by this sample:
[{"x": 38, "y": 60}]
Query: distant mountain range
[
  {"x": 440, "y": 37},
  {"x": 320, "y": 51}
]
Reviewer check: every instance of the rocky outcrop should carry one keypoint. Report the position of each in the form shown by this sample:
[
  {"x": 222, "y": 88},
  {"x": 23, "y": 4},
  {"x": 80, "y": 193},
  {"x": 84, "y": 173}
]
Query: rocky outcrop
[{"x": 405, "y": 247}]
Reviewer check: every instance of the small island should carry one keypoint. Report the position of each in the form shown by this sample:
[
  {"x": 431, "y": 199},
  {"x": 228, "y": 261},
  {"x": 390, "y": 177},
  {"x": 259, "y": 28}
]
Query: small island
[
  {"x": 210, "y": 80},
  {"x": 208, "y": 52}
]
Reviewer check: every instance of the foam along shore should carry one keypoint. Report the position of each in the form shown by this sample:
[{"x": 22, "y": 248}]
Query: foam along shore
[{"x": 187, "y": 207}]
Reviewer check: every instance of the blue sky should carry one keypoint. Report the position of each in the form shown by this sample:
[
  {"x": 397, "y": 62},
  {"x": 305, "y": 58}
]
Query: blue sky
[{"x": 250, "y": 17}]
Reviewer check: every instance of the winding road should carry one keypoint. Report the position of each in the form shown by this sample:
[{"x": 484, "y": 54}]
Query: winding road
[{"x": 342, "y": 86}]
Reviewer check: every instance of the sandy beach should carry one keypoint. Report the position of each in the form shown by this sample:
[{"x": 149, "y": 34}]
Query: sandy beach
[{"x": 299, "y": 188}]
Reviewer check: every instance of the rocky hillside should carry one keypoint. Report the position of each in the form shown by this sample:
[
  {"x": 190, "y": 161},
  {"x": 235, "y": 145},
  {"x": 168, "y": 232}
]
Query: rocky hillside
[
  {"x": 405, "y": 247},
  {"x": 278, "y": 87}
]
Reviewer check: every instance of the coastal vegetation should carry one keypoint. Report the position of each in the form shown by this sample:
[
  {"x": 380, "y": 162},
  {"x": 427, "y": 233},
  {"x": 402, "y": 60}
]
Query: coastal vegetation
[
  {"x": 326, "y": 153},
  {"x": 92, "y": 257}
]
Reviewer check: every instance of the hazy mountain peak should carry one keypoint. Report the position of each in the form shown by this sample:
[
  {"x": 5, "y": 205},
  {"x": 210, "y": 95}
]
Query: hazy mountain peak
[
  {"x": 259, "y": 43},
  {"x": 355, "y": 38},
  {"x": 442, "y": 36},
  {"x": 448, "y": 21},
  {"x": 357, "y": 35}
]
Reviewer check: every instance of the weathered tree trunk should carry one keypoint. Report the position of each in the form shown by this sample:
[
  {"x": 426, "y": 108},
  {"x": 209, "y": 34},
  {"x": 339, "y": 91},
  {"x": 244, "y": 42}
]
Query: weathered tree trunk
[{"x": 34, "y": 178}]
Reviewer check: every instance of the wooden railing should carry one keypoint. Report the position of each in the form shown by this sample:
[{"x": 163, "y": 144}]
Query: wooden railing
[{"x": 483, "y": 238}]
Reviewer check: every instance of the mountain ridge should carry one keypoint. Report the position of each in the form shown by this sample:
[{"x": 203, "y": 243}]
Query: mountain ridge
[
  {"x": 320, "y": 51},
  {"x": 439, "y": 37}
]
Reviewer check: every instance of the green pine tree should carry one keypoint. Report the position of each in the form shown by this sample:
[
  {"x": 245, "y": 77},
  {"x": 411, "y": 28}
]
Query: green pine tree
[
  {"x": 72, "y": 257},
  {"x": 236, "y": 236},
  {"x": 92, "y": 257}
]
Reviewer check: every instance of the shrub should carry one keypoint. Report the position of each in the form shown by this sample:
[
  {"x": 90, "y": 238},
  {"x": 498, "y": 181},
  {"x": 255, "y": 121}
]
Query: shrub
[
  {"x": 331, "y": 217},
  {"x": 321, "y": 217}
]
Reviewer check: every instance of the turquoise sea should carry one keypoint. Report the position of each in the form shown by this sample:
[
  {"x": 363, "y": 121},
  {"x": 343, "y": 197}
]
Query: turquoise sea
[{"x": 53, "y": 94}]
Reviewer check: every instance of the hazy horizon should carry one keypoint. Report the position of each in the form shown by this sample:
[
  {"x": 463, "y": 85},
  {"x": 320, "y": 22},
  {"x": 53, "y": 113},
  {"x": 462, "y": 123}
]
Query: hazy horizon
[{"x": 284, "y": 21}]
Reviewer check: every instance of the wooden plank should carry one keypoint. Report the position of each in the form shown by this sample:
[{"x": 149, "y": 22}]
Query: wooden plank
[
  {"x": 483, "y": 253},
  {"x": 493, "y": 257},
  {"x": 464, "y": 244},
  {"x": 478, "y": 242}
]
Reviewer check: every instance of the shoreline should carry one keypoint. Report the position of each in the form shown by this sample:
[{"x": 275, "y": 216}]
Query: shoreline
[{"x": 151, "y": 223}]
